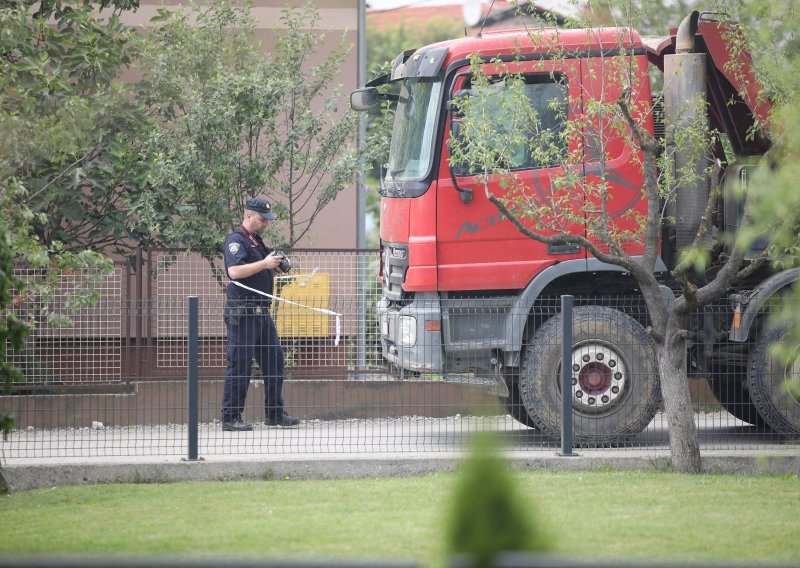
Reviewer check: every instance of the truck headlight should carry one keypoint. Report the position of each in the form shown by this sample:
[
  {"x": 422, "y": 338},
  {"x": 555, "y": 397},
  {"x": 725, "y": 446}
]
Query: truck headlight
[{"x": 407, "y": 332}]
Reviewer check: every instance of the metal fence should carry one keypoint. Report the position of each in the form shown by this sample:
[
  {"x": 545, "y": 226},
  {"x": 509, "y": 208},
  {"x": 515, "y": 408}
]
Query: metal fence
[
  {"x": 137, "y": 331},
  {"x": 114, "y": 381}
]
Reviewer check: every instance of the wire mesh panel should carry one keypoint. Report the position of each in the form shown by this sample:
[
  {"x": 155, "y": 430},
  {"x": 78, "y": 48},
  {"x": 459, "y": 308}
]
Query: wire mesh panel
[
  {"x": 71, "y": 343},
  {"x": 176, "y": 275},
  {"x": 325, "y": 310},
  {"x": 321, "y": 312},
  {"x": 364, "y": 374},
  {"x": 146, "y": 420}
]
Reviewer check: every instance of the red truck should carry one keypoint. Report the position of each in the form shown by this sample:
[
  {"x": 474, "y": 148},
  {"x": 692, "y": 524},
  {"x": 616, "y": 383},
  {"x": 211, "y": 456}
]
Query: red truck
[{"x": 465, "y": 291}]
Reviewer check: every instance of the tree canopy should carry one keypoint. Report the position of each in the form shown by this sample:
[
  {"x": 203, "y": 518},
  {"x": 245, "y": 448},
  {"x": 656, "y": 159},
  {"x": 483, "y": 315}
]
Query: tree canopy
[{"x": 113, "y": 139}]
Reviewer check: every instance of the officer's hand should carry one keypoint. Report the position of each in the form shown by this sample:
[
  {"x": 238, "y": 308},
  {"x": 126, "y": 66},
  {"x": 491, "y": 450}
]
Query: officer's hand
[{"x": 272, "y": 261}]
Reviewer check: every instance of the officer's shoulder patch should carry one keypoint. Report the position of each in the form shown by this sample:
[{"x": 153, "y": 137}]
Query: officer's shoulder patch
[{"x": 234, "y": 247}]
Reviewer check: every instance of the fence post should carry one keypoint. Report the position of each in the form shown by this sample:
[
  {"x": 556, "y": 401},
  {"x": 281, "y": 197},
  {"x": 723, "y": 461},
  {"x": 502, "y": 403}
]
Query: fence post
[
  {"x": 139, "y": 310},
  {"x": 193, "y": 375},
  {"x": 361, "y": 259},
  {"x": 566, "y": 376}
]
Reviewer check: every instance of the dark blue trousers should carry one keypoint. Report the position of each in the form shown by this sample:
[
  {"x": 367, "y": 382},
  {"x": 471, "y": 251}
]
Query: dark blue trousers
[{"x": 252, "y": 336}]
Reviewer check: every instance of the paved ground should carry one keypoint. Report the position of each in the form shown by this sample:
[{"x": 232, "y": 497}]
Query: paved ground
[{"x": 354, "y": 448}]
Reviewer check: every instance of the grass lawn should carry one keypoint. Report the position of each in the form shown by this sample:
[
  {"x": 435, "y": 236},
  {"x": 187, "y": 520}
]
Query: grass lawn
[{"x": 594, "y": 515}]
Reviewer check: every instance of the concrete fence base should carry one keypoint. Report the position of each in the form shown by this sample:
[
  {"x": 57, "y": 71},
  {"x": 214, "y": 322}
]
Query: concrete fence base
[{"x": 166, "y": 402}]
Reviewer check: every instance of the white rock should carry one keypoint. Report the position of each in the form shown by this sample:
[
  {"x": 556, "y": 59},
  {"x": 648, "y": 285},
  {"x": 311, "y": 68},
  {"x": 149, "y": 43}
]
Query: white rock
[{"x": 96, "y": 425}]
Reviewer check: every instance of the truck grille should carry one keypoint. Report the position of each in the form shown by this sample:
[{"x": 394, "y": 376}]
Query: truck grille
[{"x": 394, "y": 262}]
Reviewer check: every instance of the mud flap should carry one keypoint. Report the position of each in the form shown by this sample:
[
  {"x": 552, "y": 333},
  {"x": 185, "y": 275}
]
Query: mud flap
[{"x": 498, "y": 387}]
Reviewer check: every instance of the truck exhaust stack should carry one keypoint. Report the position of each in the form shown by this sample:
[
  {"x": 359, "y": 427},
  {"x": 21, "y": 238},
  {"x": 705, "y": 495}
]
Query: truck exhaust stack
[{"x": 684, "y": 110}]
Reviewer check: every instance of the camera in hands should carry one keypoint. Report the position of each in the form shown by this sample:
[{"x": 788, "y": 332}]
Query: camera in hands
[{"x": 285, "y": 266}]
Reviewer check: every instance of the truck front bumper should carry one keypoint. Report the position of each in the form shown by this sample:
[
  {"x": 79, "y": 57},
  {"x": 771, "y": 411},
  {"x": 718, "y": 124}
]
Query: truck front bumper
[{"x": 411, "y": 336}]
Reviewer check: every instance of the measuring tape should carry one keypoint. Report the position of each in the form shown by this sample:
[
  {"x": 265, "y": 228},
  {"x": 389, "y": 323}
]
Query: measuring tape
[{"x": 320, "y": 310}]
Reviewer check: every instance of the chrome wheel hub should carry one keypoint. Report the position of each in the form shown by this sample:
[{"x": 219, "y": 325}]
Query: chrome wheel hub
[{"x": 599, "y": 376}]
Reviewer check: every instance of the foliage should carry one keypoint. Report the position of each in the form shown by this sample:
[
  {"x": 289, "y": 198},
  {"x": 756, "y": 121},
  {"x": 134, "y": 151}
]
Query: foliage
[
  {"x": 59, "y": 89},
  {"x": 209, "y": 96},
  {"x": 310, "y": 155},
  {"x": 488, "y": 515},
  {"x": 28, "y": 304},
  {"x": 228, "y": 123},
  {"x": 498, "y": 131},
  {"x": 12, "y": 333},
  {"x": 501, "y": 132},
  {"x": 107, "y": 164},
  {"x": 648, "y": 17},
  {"x": 91, "y": 163},
  {"x": 12, "y": 330},
  {"x": 68, "y": 119},
  {"x": 772, "y": 38}
]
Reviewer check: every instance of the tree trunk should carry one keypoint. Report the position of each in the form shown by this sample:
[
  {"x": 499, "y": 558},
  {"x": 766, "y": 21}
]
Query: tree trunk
[
  {"x": 683, "y": 444},
  {"x": 4, "y": 486}
]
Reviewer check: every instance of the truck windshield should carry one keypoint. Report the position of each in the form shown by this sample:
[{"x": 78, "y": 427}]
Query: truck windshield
[{"x": 411, "y": 150}]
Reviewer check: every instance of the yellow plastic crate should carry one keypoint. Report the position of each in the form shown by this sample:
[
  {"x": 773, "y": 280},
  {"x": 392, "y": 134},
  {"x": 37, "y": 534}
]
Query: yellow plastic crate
[{"x": 310, "y": 291}]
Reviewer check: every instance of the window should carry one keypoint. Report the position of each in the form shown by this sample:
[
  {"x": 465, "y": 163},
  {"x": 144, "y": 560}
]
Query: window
[
  {"x": 411, "y": 150},
  {"x": 520, "y": 123}
]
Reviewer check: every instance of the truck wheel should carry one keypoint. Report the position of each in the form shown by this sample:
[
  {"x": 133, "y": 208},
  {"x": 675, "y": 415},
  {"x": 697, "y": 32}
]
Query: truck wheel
[
  {"x": 730, "y": 389},
  {"x": 515, "y": 407},
  {"x": 767, "y": 377},
  {"x": 615, "y": 388}
]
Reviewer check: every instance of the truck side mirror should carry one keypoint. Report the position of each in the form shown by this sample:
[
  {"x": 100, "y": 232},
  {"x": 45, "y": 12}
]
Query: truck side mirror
[
  {"x": 454, "y": 102},
  {"x": 364, "y": 99},
  {"x": 459, "y": 169}
]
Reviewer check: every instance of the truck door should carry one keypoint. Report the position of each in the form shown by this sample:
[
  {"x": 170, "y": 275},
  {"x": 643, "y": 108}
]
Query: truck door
[
  {"x": 477, "y": 248},
  {"x": 613, "y": 176}
]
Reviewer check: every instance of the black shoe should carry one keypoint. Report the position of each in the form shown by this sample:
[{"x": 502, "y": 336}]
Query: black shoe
[
  {"x": 238, "y": 425},
  {"x": 283, "y": 420}
]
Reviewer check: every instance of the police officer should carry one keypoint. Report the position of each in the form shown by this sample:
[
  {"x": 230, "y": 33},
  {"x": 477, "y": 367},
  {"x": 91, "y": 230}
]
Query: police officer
[{"x": 251, "y": 331}]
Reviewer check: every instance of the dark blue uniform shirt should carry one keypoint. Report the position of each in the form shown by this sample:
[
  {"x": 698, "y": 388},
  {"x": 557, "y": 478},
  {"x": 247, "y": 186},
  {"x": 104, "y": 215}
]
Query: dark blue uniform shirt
[{"x": 241, "y": 248}]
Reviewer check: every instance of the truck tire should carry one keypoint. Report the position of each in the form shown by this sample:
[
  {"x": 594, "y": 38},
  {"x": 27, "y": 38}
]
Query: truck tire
[
  {"x": 729, "y": 386},
  {"x": 767, "y": 377},
  {"x": 514, "y": 405},
  {"x": 615, "y": 390}
]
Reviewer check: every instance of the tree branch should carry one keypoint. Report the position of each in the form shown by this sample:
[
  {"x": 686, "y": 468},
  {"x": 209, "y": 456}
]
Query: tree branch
[
  {"x": 731, "y": 271},
  {"x": 649, "y": 147},
  {"x": 624, "y": 262},
  {"x": 83, "y": 158}
]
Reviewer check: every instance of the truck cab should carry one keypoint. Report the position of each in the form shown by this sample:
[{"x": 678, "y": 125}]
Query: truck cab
[{"x": 464, "y": 290}]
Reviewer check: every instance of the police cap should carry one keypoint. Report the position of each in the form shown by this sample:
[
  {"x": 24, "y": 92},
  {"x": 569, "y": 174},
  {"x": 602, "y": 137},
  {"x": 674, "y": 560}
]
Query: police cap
[{"x": 262, "y": 206}]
